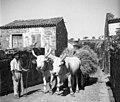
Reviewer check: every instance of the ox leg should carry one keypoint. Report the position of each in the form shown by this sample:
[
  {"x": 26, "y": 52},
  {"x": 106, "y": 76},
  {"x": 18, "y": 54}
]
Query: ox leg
[
  {"x": 77, "y": 84},
  {"x": 82, "y": 81},
  {"x": 70, "y": 84},
  {"x": 58, "y": 85},
  {"x": 45, "y": 84},
  {"x": 78, "y": 81},
  {"x": 50, "y": 83}
]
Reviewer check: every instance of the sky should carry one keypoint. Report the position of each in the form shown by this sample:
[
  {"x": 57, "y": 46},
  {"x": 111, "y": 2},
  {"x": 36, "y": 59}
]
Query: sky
[{"x": 82, "y": 17}]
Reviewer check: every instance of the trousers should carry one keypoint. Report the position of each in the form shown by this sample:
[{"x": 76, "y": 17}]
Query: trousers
[{"x": 18, "y": 85}]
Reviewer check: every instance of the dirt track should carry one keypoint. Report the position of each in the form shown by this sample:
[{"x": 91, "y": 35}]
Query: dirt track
[{"x": 94, "y": 92}]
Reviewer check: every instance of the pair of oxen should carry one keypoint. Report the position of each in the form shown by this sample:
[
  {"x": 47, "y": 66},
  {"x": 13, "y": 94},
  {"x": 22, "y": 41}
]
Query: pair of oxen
[{"x": 62, "y": 68}]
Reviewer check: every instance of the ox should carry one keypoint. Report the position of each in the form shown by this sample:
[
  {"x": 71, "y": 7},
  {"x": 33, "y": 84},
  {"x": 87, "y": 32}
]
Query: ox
[
  {"x": 68, "y": 67},
  {"x": 63, "y": 68},
  {"x": 45, "y": 67}
]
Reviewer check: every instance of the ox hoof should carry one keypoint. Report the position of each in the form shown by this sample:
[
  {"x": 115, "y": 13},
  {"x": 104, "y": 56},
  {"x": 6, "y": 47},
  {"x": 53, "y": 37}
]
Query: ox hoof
[
  {"x": 58, "y": 92},
  {"x": 45, "y": 91},
  {"x": 82, "y": 91},
  {"x": 77, "y": 91},
  {"x": 50, "y": 92},
  {"x": 72, "y": 94}
]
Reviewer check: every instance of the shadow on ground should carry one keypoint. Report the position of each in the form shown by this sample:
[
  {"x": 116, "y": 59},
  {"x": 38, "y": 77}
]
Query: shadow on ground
[
  {"x": 91, "y": 81},
  {"x": 9, "y": 90},
  {"x": 64, "y": 91},
  {"x": 33, "y": 91}
]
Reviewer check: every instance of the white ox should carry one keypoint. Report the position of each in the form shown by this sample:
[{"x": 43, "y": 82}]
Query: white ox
[
  {"x": 65, "y": 67},
  {"x": 45, "y": 67},
  {"x": 68, "y": 67}
]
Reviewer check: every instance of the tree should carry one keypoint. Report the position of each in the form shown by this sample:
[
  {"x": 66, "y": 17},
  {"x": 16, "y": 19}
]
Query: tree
[
  {"x": 71, "y": 39},
  {"x": 93, "y": 37},
  {"x": 85, "y": 37}
]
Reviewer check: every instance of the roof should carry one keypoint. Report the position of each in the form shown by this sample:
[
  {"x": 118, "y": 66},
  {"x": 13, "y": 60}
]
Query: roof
[
  {"x": 115, "y": 20},
  {"x": 32, "y": 23}
]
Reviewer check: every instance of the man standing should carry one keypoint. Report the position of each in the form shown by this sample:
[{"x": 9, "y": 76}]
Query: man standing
[{"x": 17, "y": 78}]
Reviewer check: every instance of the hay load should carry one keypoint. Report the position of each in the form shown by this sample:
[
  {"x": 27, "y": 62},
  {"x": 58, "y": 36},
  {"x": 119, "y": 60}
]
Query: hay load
[
  {"x": 88, "y": 60},
  {"x": 87, "y": 56}
]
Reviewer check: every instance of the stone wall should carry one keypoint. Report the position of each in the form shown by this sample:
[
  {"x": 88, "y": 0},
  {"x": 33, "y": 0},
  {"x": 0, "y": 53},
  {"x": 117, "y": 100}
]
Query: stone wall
[
  {"x": 44, "y": 36},
  {"x": 6, "y": 35}
]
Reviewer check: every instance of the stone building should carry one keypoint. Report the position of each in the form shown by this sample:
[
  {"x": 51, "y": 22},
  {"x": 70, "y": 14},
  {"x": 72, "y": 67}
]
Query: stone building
[
  {"x": 114, "y": 26},
  {"x": 46, "y": 33}
]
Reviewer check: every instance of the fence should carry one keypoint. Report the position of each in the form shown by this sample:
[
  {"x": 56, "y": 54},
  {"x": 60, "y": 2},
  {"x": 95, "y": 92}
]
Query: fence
[
  {"x": 6, "y": 84},
  {"x": 115, "y": 74}
]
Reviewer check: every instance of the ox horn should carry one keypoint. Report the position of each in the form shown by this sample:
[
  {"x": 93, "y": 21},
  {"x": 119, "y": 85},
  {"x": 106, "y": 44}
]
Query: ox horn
[
  {"x": 48, "y": 53},
  {"x": 34, "y": 53},
  {"x": 63, "y": 57}
]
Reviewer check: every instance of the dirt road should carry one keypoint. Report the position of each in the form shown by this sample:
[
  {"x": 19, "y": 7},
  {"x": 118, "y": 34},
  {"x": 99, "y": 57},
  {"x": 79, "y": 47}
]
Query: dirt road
[{"x": 94, "y": 92}]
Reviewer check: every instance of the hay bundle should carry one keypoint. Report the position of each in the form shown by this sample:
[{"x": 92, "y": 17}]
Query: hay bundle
[{"x": 88, "y": 59}]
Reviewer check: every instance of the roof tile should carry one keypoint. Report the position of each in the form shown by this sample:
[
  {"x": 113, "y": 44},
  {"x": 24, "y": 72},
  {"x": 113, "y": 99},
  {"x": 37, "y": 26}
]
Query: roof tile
[
  {"x": 115, "y": 20},
  {"x": 32, "y": 23}
]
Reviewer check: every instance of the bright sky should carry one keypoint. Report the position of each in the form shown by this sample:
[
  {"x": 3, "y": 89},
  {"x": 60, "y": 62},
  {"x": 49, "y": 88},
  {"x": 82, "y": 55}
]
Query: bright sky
[{"x": 82, "y": 17}]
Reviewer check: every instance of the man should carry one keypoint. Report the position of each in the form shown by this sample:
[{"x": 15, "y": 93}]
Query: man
[{"x": 16, "y": 70}]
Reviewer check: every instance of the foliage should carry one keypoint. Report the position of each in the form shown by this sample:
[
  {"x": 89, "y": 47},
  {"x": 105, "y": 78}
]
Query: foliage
[
  {"x": 115, "y": 43},
  {"x": 100, "y": 48}
]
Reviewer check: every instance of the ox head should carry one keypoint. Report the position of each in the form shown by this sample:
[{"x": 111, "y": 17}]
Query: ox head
[
  {"x": 57, "y": 64},
  {"x": 41, "y": 59}
]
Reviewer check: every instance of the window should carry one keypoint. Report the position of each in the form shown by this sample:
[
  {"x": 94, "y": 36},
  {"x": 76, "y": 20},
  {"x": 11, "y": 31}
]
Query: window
[
  {"x": 17, "y": 41},
  {"x": 36, "y": 39}
]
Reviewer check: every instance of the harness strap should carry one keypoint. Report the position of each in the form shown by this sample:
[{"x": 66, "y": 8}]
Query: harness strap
[{"x": 17, "y": 71}]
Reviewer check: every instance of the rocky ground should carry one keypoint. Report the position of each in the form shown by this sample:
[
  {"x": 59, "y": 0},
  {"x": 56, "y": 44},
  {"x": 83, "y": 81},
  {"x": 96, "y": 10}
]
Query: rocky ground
[{"x": 95, "y": 91}]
